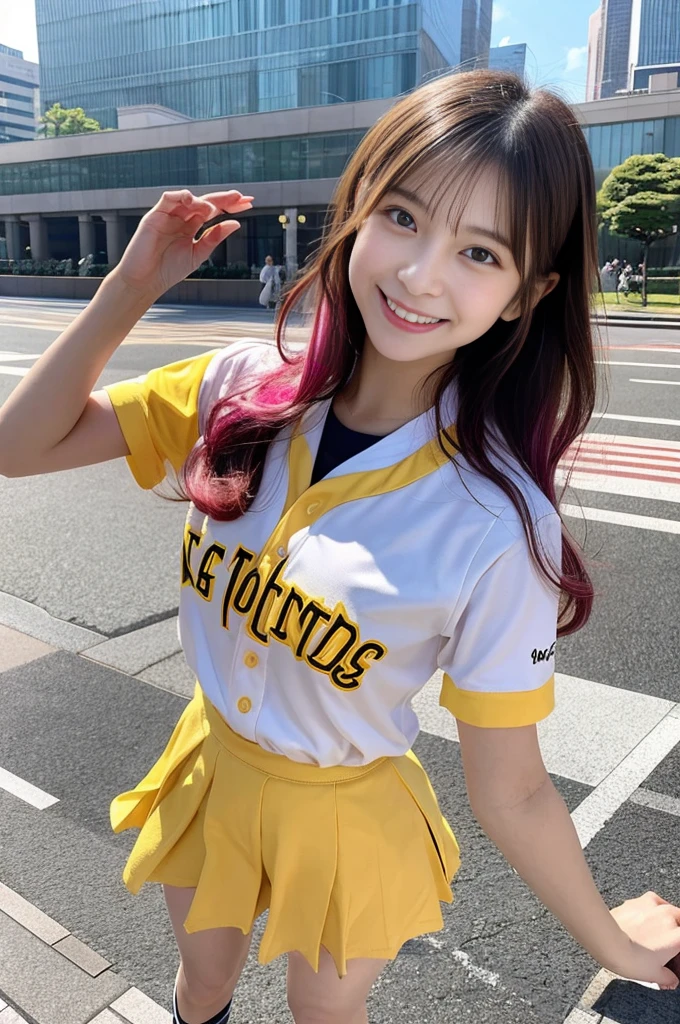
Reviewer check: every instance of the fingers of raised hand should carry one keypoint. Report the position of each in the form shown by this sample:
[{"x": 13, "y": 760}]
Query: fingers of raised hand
[{"x": 188, "y": 207}]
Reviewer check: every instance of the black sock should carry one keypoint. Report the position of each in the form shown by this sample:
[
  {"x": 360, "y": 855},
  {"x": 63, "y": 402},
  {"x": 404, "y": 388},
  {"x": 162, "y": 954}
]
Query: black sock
[{"x": 220, "y": 1018}]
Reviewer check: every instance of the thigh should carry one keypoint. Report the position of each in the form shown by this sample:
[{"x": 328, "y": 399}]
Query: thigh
[
  {"x": 212, "y": 957},
  {"x": 322, "y": 995}
]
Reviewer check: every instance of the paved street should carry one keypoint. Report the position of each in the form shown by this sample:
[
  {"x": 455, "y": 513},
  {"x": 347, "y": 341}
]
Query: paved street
[{"x": 89, "y": 570}]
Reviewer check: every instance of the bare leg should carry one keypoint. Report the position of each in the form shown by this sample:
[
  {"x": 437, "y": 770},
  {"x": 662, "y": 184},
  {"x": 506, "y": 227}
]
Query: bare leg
[
  {"x": 211, "y": 961},
  {"x": 323, "y": 998}
]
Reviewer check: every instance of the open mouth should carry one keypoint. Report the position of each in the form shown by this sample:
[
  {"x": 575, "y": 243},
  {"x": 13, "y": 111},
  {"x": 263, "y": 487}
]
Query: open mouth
[{"x": 400, "y": 321}]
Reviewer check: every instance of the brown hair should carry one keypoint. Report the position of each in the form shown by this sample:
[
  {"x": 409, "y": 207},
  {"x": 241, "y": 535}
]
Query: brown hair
[{"x": 531, "y": 380}]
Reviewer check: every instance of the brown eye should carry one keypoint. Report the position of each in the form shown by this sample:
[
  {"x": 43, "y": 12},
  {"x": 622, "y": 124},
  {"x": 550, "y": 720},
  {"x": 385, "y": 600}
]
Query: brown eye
[
  {"x": 398, "y": 210},
  {"x": 480, "y": 255}
]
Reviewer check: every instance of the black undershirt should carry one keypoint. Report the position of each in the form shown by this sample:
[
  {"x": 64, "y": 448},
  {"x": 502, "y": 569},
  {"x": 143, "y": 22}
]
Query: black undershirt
[{"x": 338, "y": 443}]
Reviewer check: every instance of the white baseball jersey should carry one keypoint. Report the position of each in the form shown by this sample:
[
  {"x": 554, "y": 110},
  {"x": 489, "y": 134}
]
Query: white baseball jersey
[{"x": 313, "y": 620}]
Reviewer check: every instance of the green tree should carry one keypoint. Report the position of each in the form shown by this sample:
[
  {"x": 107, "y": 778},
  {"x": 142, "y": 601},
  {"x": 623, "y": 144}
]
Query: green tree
[
  {"x": 641, "y": 199},
  {"x": 60, "y": 120}
]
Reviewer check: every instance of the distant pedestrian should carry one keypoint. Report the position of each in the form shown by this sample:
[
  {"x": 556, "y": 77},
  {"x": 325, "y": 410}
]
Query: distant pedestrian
[
  {"x": 624, "y": 279},
  {"x": 270, "y": 277}
]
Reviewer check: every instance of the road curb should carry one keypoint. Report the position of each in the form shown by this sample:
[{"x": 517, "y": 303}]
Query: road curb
[
  {"x": 615, "y": 321},
  {"x": 132, "y": 652},
  {"x": 45, "y": 970}
]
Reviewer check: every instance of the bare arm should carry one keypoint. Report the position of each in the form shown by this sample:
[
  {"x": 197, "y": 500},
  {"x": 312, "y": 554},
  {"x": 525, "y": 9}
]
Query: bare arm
[
  {"x": 517, "y": 805},
  {"x": 52, "y": 420}
]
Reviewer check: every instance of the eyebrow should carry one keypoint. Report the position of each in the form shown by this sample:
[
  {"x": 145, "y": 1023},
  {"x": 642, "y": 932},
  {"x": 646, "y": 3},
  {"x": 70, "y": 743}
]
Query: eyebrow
[{"x": 472, "y": 228}]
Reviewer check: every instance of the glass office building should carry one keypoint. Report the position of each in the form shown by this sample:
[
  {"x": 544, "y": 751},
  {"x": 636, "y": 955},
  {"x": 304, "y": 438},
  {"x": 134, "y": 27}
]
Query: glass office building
[
  {"x": 611, "y": 144},
  {"x": 224, "y": 57},
  {"x": 287, "y": 159},
  {"x": 616, "y": 43},
  {"x": 512, "y": 57},
  {"x": 19, "y": 105},
  {"x": 655, "y": 39}
]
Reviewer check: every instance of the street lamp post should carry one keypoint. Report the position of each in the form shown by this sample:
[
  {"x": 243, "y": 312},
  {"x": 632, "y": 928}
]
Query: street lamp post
[{"x": 289, "y": 221}]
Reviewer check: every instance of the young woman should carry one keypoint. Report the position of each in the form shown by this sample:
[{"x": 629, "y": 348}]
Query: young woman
[{"x": 365, "y": 509}]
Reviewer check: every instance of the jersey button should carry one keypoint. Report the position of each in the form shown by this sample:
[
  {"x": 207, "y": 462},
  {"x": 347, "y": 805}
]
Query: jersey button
[
  {"x": 281, "y": 551},
  {"x": 251, "y": 660},
  {"x": 244, "y": 705},
  {"x": 311, "y": 509}
]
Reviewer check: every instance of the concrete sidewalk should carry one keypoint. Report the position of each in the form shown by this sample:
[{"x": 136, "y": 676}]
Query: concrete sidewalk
[{"x": 47, "y": 974}]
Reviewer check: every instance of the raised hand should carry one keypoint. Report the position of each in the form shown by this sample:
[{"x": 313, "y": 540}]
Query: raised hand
[{"x": 163, "y": 250}]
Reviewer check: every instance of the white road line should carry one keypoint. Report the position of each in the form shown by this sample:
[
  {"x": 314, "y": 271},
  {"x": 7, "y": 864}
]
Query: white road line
[
  {"x": 621, "y": 485},
  {"x": 635, "y": 419},
  {"x": 10, "y": 1016},
  {"x": 658, "y": 801},
  {"x": 621, "y": 518},
  {"x": 656, "y": 366},
  {"x": 640, "y": 380},
  {"x": 592, "y": 729},
  {"x": 665, "y": 349},
  {"x": 626, "y": 440},
  {"x": 14, "y": 371},
  {"x": 16, "y": 357},
  {"x": 26, "y": 790},
  {"x": 593, "y": 813}
]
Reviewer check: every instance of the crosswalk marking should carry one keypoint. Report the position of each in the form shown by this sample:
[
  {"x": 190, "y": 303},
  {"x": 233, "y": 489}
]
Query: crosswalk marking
[
  {"x": 654, "y": 366},
  {"x": 629, "y": 485},
  {"x": 26, "y": 790},
  {"x": 585, "y": 711},
  {"x": 593, "y": 813},
  {"x": 604, "y": 515},
  {"x": 635, "y": 419},
  {"x": 641, "y": 380}
]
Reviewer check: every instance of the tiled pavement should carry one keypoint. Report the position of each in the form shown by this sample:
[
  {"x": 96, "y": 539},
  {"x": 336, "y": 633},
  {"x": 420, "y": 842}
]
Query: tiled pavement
[{"x": 613, "y": 754}]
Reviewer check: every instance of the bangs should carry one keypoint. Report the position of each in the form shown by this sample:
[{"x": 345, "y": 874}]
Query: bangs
[{"x": 445, "y": 174}]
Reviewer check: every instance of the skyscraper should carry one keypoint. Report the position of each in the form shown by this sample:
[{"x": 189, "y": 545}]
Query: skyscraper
[
  {"x": 18, "y": 96},
  {"x": 512, "y": 57},
  {"x": 616, "y": 18},
  {"x": 654, "y": 40},
  {"x": 475, "y": 32},
  {"x": 594, "y": 68},
  {"x": 212, "y": 58}
]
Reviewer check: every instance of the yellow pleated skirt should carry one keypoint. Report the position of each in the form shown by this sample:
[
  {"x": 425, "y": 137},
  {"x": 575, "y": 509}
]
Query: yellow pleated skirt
[{"x": 355, "y": 859}]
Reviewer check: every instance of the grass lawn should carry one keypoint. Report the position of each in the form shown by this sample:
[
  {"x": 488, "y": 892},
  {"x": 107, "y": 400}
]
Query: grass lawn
[{"x": 633, "y": 303}]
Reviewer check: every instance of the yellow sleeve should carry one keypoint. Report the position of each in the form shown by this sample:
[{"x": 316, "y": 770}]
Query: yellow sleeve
[
  {"x": 500, "y": 710},
  {"x": 498, "y": 651},
  {"x": 158, "y": 415}
]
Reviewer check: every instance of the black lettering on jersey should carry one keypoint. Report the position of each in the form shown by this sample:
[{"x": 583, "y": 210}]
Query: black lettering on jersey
[
  {"x": 205, "y": 580},
  {"x": 544, "y": 655},
  {"x": 242, "y": 557},
  {"x": 271, "y": 589},
  {"x": 245, "y": 596},
  {"x": 292, "y": 599},
  {"x": 333, "y": 639},
  {"x": 191, "y": 539},
  {"x": 371, "y": 651},
  {"x": 312, "y": 614}
]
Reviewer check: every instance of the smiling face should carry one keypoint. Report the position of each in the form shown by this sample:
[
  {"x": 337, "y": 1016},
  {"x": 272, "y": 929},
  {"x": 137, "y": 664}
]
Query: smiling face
[{"x": 463, "y": 274}]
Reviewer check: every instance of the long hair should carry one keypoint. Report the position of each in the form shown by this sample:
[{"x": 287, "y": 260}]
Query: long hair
[{"x": 531, "y": 380}]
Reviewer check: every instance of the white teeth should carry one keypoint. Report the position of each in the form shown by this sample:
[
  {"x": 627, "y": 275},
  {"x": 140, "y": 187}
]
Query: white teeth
[{"x": 412, "y": 318}]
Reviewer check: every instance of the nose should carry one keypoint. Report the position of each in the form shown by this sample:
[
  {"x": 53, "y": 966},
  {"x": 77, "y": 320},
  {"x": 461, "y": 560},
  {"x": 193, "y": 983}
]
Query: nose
[{"x": 422, "y": 273}]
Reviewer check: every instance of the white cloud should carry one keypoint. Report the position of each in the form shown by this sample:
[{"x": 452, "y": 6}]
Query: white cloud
[
  {"x": 499, "y": 12},
  {"x": 576, "y": 56},
  {"x": 505, "y": 41}
]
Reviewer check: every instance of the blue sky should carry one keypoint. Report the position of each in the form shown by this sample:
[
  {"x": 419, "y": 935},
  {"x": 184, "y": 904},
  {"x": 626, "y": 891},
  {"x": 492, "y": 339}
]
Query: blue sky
[
  {"x": 555, "y": 31},
  {"x": 556, "y": 34}
]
